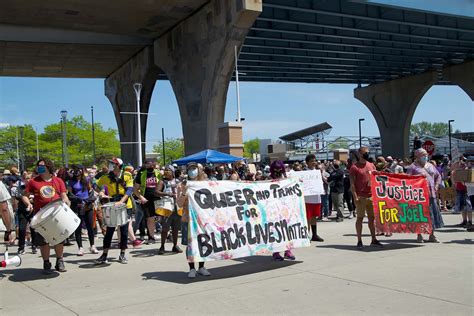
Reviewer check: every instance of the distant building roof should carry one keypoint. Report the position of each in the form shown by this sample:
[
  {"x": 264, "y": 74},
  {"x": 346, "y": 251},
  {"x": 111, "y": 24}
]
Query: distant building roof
[{"x": 323, "y": 128}]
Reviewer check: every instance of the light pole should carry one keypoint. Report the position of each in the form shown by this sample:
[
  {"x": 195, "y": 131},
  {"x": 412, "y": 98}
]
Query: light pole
[
  {"x": 17, "y": 151},
  {"x": 449, "y": 134},
  {"x": 360, "y": 131},
  {"x": 37, "y": 145},
  {"x": 138, "y": 88},
  {"x": 64, "y": 121},
  {"x": 93, "y": 135},
  {"x": 22, "y": 149},
  {"x": 163, "y": 142}
]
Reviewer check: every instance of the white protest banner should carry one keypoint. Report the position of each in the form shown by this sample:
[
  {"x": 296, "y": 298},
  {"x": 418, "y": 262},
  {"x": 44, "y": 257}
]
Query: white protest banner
[
  {"x": 230, "y": 219},
  {"x": 312, "y": 181}
]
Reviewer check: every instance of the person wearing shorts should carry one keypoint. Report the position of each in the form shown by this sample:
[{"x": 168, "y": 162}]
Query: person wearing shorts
[
  {"x": 360, "y": 184},
  {"x": 313, "y": 203}
]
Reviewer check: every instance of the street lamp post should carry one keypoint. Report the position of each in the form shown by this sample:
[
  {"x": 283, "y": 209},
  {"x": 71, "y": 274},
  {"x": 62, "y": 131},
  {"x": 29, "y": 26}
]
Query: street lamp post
[
  {"x": 360, "y": 131},
  {"x": 22, "y": 148},
  {"x": 64, "y": 121},
  {"x": 93, "y": 135},
  {"x": 138, "y": 88},
  {"x": 449, "y": 134},
  {"x": 37, "y": 145}
]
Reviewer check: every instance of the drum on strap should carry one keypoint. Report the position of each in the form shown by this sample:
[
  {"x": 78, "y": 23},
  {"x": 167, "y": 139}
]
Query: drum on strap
[
  {"x": 115, "y": 215},
  {"x": 164, "y": 206},
  {"x": 55, "y": 222}
]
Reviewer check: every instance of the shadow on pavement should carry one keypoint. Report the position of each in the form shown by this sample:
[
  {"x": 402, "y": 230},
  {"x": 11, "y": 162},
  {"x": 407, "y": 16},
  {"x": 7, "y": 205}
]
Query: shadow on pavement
[
  {"x": 461, "y": 242},
  {"x": 27, "y": 274},
  {"x": 459, "y": 230},
  {"x": 151, "y": 252},
  {"x": 249, "y": 265},
  {"x": 388, "y": 245}
]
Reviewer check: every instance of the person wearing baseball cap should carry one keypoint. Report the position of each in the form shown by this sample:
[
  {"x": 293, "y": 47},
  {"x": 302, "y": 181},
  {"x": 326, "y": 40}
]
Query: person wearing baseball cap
[
  {"x": 422, "y": 166},
  {"x": 118, "y": 187}
]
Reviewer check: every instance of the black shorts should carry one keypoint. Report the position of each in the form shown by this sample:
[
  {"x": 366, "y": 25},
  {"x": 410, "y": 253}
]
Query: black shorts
[
  {"x": 173, "y": 222},
  {"x": 149, "y": 208}
]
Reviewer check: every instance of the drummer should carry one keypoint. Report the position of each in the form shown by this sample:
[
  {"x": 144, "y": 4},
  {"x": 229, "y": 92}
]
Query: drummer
[
  {"x": 119, "y": 186},
  {"x": 46, "y": 188}
]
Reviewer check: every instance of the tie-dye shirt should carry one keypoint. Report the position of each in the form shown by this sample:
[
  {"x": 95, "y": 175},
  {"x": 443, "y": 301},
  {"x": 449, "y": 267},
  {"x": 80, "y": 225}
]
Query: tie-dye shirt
[{"x": 429, "y": 171}]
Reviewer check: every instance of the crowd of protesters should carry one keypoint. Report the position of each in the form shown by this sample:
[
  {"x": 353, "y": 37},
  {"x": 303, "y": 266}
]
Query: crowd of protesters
[{"x": 346, "y": 195}]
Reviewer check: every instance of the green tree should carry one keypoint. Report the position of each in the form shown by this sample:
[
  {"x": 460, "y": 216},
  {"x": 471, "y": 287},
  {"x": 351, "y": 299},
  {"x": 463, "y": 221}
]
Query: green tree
[
  {"x": 433, "y": 129},
  {"x": 251, "y": 146},
  {"x": 79, "y": 143},
  {"x": 174, "y": 149}
]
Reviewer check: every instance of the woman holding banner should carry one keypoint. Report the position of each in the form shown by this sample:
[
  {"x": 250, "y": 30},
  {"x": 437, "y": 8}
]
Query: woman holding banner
[
  {"x": 277, "y": 171},
  {"x": 194, "y": 174},
  {"x": 421, "y": 166}
]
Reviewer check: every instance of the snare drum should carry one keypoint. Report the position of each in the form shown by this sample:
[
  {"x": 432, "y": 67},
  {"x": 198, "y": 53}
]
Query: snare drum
[
  {"x": 55, "y": 222},
  {"x": 115, "y": 215},
  {"x": 164, "y": 206}
]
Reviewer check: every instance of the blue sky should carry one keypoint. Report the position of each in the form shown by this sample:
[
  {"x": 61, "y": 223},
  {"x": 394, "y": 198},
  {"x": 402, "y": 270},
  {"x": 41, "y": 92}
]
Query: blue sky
[{"x": 270, "y": 109}]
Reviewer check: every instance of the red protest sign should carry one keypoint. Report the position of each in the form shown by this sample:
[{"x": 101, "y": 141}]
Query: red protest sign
[
  {"x": 429, "y": 146},
  {"x": 401, "y": 203}
]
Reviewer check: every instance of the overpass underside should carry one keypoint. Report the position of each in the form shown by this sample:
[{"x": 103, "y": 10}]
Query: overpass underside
[{"x": 399, "y": 53}]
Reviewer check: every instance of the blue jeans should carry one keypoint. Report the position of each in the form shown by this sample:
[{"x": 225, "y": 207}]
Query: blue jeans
[
  {"x": 461, "y": 201},
  {"x": 325, "y": 204}
]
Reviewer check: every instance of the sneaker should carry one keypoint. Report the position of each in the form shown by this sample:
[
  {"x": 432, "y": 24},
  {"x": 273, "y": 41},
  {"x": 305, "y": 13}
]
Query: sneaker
[
  {"x": 122, "y": 259},
  {"x": 80, "y": 252},
  {"x": 462, "y": 224},
  {"x": 176, "y": 249},
  {"x": 359, "y": 244},
  {"x": 47, "y": 267},
  {"x": 289, "y": 255},
  {"x": 317, "y": 238},
  {"x": 137, "y": 244},
  {"x": 433, "y": 239},
  {"x": 102, "y": 259},
  {"x": 33, "y": 250},
  {"x": 94, "y": 250},
  {"x": 150, "y": 241},
  {"x": 350, "y": 215},
  {"x": 192, "y": 274},
  {"x": 419, "y": 239},
  {"x": 161, "y": 251},
  {"x": 376, "y": 243},
  {"x": 203, "y": 271},
  {"x": 60, "y": 265},
  {"x": 277, "y": 257},
  {"x": 21, "y": 251}
]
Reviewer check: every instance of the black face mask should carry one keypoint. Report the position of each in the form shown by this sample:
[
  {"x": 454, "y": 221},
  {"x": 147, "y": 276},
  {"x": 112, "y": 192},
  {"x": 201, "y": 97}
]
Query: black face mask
[
  {"x": 150, "y": 169},
  {"x": 366, "y": 156},
  {"x": 336, "y": 166}
]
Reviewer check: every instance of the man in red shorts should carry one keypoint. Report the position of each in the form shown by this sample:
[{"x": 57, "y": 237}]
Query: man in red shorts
[
  {"x": 46, "y": 188},
  {"x": 360, "y": 185},
  {"x": 313, "y": 203}
]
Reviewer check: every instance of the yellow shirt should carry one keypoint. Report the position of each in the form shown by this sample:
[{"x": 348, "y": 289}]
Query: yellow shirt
[{"x": 112, "y": 186}]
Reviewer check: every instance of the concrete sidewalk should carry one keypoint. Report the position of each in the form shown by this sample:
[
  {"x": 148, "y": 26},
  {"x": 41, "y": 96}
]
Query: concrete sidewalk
[{"x": 332, "y": 277}]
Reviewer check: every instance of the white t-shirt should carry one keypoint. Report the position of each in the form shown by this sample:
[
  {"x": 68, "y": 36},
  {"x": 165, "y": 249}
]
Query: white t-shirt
[{"x": 4, "y": 194}]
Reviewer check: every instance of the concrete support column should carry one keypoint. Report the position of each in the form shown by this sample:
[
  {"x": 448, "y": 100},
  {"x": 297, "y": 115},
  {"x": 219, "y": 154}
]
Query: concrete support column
[
  {"x": 393, "y": 104},
  {"x": 462, "y": 75},
  {"x": 119, "y": 90},
  {"x": 198, "y": 58}
]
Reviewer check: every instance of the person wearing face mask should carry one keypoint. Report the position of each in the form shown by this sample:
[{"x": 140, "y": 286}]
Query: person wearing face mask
[
  {"x": 461, "y": 204},
  {"x": 183, "y": 202},
  {"x": 167, "y": 189},
  {"x": 421, "y": 166},
  {"x": 145, "y": 187},
  {"x": 313, "y": 203},
  {"x": 46, "y": 188},
  {"x": 80, "y": 188},
  {"x": 337, "y": 190},
  {"x": 361, "y": 191},
  {"x": 116, "y": 186}
]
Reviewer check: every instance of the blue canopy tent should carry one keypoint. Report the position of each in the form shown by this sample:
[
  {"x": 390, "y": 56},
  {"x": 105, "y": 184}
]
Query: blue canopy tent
[{"x": 207, "y": 156}]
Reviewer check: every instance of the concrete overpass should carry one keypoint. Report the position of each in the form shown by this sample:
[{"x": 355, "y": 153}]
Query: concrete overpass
[{"x": 400, "y": 53}]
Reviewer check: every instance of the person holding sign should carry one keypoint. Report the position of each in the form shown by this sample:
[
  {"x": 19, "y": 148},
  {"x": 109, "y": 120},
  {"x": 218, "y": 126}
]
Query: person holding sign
[
  {"x": 167, "y": 191},
  {"x": 313, "y": 203},
  {"x": 183, "y": 202},
  {"x": 361, "y": 190},
  {"x": 421, "y": 166},
  {"x": 277, "y": 171}
]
